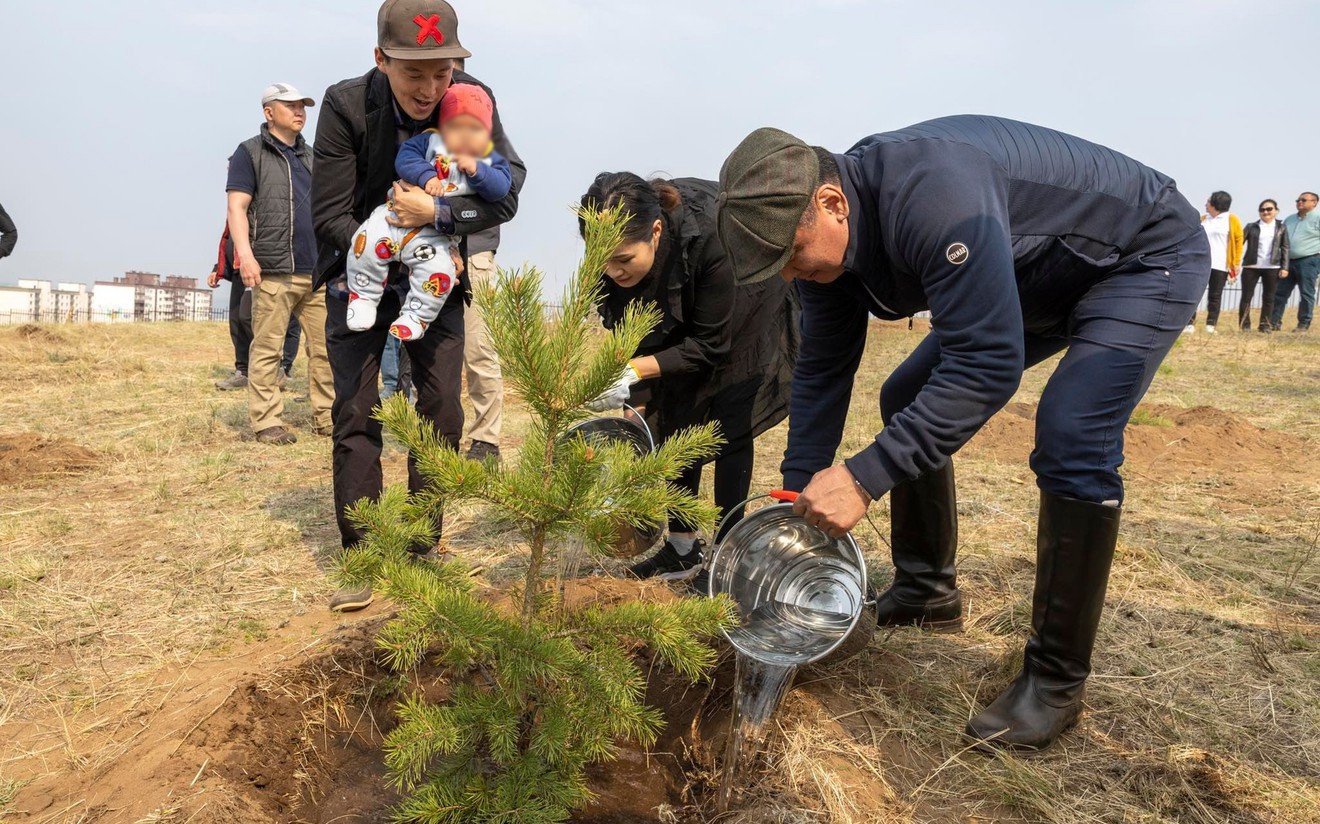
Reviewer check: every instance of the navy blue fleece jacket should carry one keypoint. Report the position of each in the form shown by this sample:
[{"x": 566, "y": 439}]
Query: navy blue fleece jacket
[{"x": 997, "y": 228}]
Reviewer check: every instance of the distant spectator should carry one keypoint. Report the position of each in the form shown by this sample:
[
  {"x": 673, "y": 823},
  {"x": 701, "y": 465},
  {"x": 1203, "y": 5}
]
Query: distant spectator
[
  {"x": 240, "y": 321},
  {"x": 1224, "y": 231},
  {"x": 1303, "y": 263},
  {"x": 8, "y": 234},
  {"x": 1266, "y": 256},
  {"x": 270, "y": 221}
]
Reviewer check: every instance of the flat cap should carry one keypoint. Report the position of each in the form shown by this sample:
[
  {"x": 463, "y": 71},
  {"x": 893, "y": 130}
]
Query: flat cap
[{"x": 765, "y": 187}]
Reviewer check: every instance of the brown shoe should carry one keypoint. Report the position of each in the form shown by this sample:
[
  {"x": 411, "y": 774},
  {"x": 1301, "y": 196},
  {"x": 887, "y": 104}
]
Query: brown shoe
[
  {"x": 277, "y": 436},
  {"x": 351, "y": 600},
  {"x": 323, "y": 431}
]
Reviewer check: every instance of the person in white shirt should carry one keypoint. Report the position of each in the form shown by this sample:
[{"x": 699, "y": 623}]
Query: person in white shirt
[
  {"x": 1264, "y": 261},
  {"x": 1224, "y": 231}
]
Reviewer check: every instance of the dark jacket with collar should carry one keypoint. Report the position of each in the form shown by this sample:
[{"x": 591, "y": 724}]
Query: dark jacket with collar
[
  {"x": 1251, "y": 241},
  {"x": 271, "y": 213},
  {"x": 356, "y": 144},
  {"x": 998, "y": 228},
  {"x": 8, "y": 234},
  {"x": 726, "y": 353}
]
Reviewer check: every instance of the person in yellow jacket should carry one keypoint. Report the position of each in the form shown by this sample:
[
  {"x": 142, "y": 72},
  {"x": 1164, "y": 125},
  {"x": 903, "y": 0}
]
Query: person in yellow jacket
[{"x": 1224, "y": 232}]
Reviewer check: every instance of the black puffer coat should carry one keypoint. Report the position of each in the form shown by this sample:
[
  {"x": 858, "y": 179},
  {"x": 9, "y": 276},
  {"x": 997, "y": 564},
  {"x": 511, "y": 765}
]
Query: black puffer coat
[{"x": 726, "y": 353}]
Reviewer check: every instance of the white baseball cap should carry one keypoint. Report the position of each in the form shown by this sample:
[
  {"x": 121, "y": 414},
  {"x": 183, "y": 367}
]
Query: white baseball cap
[{"x": 285, "y": 92}]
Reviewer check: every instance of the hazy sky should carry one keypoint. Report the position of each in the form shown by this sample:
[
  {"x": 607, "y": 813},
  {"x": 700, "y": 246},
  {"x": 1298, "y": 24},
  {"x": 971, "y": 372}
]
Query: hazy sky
[{"x": 118, "y": 117}]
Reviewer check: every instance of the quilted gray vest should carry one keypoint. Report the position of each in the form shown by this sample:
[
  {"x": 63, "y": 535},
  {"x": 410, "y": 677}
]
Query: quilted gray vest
[{"x": 270, "y": 216}]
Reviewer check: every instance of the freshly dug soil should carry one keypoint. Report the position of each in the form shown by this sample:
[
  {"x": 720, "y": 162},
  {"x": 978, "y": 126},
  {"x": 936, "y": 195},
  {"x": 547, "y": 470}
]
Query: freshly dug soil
[
  {"x": 1198, "y": 441},
  {"x": 29, "y": 457}
]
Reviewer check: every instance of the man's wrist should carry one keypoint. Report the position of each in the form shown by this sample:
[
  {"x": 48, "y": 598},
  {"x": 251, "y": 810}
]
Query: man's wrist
[{"x": 861, "y": 490}]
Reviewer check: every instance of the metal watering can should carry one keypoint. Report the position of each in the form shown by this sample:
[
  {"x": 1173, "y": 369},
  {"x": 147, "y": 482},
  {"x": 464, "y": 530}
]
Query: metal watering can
[
  {"x": 803, "y": 596},
  {"x": 611, "y": 429}
]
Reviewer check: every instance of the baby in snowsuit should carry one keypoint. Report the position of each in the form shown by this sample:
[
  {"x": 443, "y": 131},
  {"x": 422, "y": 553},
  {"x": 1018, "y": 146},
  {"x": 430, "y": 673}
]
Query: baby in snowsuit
[{"x": 457, "y": 160}]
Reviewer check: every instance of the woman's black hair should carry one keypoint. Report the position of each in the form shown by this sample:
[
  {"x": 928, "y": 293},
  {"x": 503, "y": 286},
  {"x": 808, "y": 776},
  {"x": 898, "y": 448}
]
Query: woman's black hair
[
  {"x": 1270, "y": 201},
  {"x": 1221, "y": 201},
  {"x": 643, "y": 200}
]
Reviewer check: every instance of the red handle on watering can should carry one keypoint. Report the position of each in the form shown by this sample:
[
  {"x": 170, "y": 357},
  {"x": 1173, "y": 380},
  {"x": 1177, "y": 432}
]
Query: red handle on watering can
[{"x": 784, "y": 495}]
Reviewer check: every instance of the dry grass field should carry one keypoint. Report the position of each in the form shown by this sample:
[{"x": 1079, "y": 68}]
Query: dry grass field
[{"x": 166, "y": 654}]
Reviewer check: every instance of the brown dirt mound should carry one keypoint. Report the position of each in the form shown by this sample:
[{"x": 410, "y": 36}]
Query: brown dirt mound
[
  {"x": 34, "y": 332},
  {"x": 302, "y": 742},
  {"x": 1161, "y": 438},
  {"x": 30, "y": 457}
]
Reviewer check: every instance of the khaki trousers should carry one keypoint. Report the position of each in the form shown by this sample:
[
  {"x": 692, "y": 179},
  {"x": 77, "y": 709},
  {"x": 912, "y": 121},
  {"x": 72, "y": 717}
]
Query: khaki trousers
[
  {"x": 485, "y": 384},
  {"x": 274, "y": 300}
]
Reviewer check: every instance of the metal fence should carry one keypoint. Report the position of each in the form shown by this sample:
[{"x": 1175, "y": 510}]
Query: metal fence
[
  {"x": 1232, "y": 298},
  {"x": 144, "y": 316}
]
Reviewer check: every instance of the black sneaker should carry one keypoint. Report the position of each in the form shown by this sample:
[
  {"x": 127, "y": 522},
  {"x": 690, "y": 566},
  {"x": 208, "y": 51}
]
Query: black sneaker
[
  {"x": 481, "y": 450},
  {"x": 669, "y": 565}
]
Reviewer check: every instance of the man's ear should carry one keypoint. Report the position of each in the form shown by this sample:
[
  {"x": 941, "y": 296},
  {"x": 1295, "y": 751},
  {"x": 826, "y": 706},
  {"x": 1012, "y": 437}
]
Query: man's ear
[
  {"x": 832, "y": 201},
  {"x": 380, "y": 59}
]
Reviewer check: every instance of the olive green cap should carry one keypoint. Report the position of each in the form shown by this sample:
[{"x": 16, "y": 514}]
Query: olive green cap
[{"x": 766, "y": 186}]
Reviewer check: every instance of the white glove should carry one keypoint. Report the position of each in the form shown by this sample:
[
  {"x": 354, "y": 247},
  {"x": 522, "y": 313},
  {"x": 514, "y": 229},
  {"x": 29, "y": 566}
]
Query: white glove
[{"x": 617, "y": 395}]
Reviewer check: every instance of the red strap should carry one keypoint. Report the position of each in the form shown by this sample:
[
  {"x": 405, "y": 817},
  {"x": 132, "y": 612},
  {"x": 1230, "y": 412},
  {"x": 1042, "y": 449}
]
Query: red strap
[{"x": 784, "y": 495}]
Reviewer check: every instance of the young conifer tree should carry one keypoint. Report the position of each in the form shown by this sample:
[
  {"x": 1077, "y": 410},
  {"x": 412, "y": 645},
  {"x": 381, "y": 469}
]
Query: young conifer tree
[{"x": 541, "y": 688}]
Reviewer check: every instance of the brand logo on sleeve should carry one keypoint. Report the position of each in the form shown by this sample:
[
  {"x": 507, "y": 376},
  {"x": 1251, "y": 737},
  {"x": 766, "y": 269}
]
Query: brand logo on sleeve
[{"x": 957, "y": 253}]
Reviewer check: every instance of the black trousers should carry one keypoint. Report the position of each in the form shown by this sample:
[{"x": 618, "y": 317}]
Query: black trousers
[
  {"x": 240, "y": 329},
  {"x": 1218, "y": 277},
  {"x": 1269, "y": 282},
  {"x": 733, "y": 480},
  {"x": 437, "y": 374}
]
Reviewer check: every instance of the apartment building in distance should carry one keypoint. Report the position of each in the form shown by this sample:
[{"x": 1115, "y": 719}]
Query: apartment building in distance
[
  {"x": 146, "y": 296},
  {"x": 41, "y": 301}
]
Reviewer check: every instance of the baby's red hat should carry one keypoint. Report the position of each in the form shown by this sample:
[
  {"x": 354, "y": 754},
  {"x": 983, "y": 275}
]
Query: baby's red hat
[{"x": 465, "y": 98}]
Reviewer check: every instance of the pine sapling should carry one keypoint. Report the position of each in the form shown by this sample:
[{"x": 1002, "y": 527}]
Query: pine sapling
[{"x": 541, "y": 685}]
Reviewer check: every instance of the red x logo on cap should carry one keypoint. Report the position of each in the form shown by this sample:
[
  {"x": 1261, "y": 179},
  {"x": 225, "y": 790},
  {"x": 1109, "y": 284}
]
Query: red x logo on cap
[{"x": 429, "y": 27}]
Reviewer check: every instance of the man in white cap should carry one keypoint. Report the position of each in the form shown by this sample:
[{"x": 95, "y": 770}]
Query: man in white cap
[{"x": 270, "y": 223}]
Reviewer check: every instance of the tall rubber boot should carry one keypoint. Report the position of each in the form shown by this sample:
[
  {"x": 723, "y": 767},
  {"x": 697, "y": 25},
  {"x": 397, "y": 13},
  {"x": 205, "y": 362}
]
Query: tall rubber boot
[
  {"x": 1074, "y": 550},
  {"x": 923, "y": 532}
]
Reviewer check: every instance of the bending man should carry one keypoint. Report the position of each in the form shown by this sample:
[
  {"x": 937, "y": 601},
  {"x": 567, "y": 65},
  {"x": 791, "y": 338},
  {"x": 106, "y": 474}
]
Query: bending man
[{"x": 1022, "y": 242}]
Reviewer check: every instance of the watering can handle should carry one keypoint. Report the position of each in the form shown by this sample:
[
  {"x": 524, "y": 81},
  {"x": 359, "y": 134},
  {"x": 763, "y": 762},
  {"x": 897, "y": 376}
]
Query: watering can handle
[{"x": 784, "y": 495}]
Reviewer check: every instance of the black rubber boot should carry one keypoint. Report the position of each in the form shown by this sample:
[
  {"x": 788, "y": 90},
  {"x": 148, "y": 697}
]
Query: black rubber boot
[
  {"x": 923, "y": 517},
  {"x": 1074, "y": 550}
]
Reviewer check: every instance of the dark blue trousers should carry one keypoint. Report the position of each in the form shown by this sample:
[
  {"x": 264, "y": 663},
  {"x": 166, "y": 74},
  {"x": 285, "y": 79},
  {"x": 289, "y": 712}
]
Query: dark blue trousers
[
  {"x": 1302, "y": 274},
  {"x": 1118, "y": 333}
]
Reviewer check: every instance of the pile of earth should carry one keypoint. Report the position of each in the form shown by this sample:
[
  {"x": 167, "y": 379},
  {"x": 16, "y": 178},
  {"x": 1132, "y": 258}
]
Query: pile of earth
[
  {"x": 1201, "y": 439},
  {"x": 302, "y": 741},
  {"x": 28, "y": 457}
]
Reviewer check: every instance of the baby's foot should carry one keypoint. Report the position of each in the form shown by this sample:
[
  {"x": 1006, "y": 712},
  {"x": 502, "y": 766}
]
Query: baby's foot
[
  {"x": 408, "y": 327},
  {"x": 361, "y": 314}
]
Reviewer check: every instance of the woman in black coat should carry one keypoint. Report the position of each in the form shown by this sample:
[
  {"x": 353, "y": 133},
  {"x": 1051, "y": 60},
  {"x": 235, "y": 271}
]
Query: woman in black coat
[
  {"x": 1264, "y": 261},
  {"x": 720, "y": 353}
]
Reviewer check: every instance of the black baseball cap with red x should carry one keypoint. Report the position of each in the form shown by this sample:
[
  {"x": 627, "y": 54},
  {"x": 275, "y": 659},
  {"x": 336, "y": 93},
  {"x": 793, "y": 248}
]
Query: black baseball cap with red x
[{"x": 418, "y": 30}]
